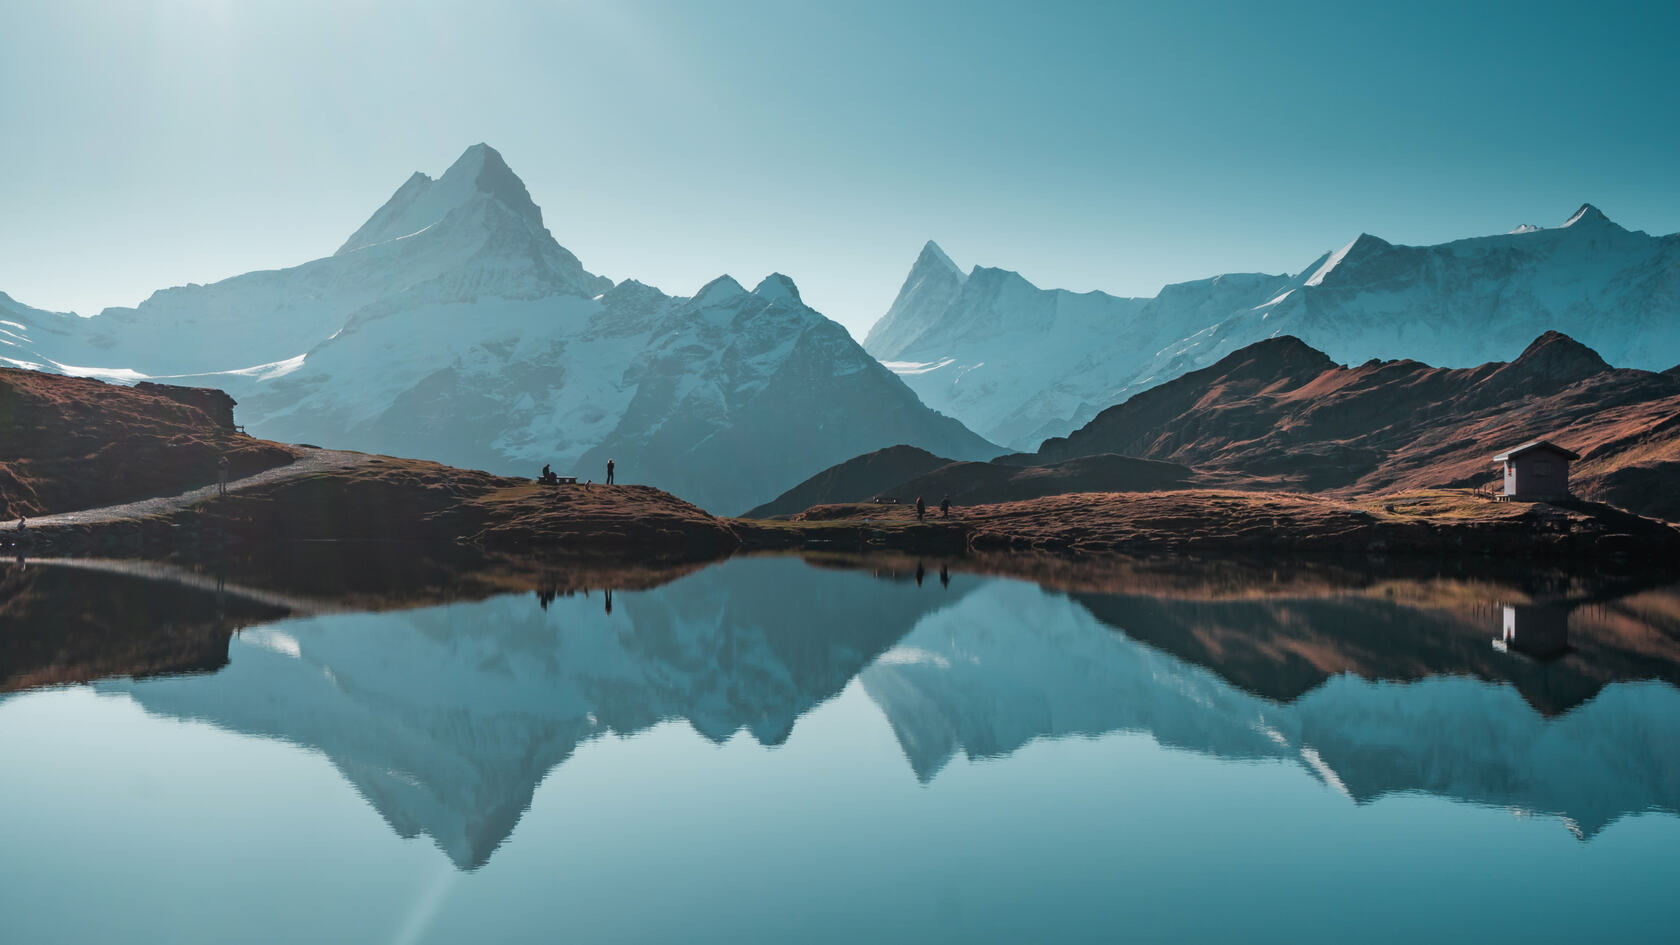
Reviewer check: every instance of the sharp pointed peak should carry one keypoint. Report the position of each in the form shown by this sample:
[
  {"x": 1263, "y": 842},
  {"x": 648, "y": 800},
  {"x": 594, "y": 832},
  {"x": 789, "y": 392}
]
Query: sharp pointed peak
[
  {"x": 1361, "y": 244},
  {"x": 422, "y": 201},
  {"x": 481, "y": 149},
  {"x": 1588, "y": 215},
  {"x": 776, "y": 287},
  {"x": 932, "y": 256}
]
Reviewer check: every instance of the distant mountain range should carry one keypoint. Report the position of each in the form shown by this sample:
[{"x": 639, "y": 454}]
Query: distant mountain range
[
  {"x": 1019, "y": 364},
  {"x": 452, "y": 326},
  {"x": 1280, "y": 414}
]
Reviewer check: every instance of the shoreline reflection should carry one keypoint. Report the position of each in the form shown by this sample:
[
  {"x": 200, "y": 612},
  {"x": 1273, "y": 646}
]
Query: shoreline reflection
[{"x": 445, "y": 697}]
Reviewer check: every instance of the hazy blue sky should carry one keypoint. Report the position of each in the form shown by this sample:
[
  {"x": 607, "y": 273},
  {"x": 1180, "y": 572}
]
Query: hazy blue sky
[{"x": 1117, "y": 146}]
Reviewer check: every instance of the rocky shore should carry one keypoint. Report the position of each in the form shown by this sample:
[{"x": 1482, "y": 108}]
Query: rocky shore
[{"x": 1435, "y": 523}]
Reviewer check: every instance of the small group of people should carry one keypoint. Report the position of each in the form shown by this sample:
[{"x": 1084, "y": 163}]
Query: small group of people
[
  {"x": 550, "y": 477},
  {"x": 944, "y": 508}
]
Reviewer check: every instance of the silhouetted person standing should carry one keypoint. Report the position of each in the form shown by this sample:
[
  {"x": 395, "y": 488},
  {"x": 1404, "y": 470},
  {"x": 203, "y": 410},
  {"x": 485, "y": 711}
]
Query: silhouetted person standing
[
  {"x": 944, "y": 576},
  {"x": 921, "y": 509},
  {"x": 945, "y": 507},
  {"x": 221, "y": 476},
  {"x": 609, "y": 472},
  {"x": 921, "y": 573}
]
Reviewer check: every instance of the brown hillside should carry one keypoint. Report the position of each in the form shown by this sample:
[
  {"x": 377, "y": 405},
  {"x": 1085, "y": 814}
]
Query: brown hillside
[
  {"x": 72, "y": 443},
  {"x": 1278, "y": 414}
]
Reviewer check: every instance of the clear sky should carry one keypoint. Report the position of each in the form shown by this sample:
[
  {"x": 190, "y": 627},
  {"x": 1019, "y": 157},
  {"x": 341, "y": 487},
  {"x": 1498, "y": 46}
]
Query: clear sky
[{"x": 1113, "y": 145}]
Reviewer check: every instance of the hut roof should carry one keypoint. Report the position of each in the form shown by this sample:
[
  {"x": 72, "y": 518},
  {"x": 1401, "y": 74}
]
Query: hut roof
[{"x": 1533, "y": 445}]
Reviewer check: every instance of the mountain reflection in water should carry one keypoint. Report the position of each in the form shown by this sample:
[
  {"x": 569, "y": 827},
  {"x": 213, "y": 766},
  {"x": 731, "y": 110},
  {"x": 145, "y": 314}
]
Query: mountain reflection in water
[{"x": 449, "y": 705}]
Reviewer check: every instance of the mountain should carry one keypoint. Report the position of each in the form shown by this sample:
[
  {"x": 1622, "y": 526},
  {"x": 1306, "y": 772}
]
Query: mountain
[
  {"x": 1280, "y": 413},
  {"x": 901, "y": 474},
  {"x": 1018, "y": 363},
  {"x": 856, "y": 480},
  {"x": 451, "y": 325}
]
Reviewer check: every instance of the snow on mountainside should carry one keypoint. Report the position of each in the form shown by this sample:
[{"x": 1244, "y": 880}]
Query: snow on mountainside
[
  {"x": 1018, "y": 363},
  {"x": 452, "y": 326}
]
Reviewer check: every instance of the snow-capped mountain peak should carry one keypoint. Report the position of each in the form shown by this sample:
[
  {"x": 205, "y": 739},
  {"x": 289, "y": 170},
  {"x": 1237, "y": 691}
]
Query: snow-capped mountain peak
[
  {"x": 933, "y": 284},
  {"x": 718, "y": 291},
  {"x": 1017, "y": 363},
  {"x": 1364, "y": 244},
  {"x": 422, "y": 202},
  {"x": 778, "y": 288},
  {"x": 454, "y": 327}
]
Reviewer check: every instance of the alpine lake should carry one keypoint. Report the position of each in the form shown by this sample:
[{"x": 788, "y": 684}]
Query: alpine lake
[{"x": 383, "y": 744}]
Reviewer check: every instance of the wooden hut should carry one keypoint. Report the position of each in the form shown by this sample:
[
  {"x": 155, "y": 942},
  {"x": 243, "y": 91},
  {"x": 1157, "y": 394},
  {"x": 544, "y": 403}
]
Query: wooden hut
[{"x": 1537, "y": 469}]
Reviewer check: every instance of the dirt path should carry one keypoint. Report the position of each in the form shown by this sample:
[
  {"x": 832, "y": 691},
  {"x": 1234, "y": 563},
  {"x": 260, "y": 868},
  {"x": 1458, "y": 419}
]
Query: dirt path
[{"x": 313, "y": 462}]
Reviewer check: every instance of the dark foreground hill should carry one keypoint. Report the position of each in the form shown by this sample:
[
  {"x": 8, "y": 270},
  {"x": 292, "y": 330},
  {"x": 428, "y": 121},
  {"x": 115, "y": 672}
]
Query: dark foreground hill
[
  {"x": 855, "y": 480},
  {"x": 903, "y": 473}
]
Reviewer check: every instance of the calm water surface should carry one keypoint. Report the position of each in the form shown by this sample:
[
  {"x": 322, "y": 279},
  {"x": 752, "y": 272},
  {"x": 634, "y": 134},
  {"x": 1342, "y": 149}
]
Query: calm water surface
[{"x": 768, "y": 750}]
